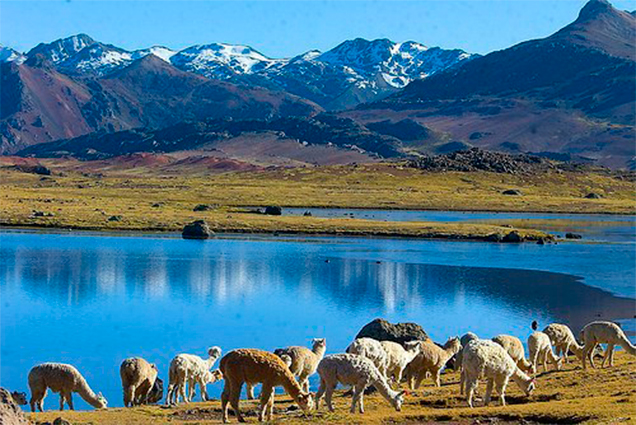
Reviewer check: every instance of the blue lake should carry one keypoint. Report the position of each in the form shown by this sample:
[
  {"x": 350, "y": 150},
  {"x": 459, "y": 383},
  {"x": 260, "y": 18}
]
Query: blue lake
[{"x": 94, "y": 299}]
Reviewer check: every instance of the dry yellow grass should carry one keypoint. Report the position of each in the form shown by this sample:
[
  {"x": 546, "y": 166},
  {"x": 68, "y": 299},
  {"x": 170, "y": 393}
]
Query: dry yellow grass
[
  {"x": 571, "y": 396},
  {"x": 86, "y": 201}
]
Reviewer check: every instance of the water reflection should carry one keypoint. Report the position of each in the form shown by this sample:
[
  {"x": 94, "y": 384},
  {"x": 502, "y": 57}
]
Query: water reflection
[{"x": 94, "y": 300}]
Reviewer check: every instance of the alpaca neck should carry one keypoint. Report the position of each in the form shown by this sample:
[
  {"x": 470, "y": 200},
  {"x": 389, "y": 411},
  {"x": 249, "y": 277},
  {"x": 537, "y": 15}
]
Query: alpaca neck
[
  {"x": 521, "y": 379},
  {"x": 319, "y": 351},
  {"x": 209, "y": 362},
  {"x": 627, "y": 345},
  {"x": 450, "y": 352},
  {"x": 384, "y": 389},
  {"x": 87, "y": 394},
  {"x": 576, "y": 349},
  {"x": 288, "y": 382}
]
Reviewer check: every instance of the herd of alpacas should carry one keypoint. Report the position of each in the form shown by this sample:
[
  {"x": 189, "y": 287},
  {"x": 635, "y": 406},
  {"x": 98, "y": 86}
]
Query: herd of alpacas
[{"x": 367, "y": 362}]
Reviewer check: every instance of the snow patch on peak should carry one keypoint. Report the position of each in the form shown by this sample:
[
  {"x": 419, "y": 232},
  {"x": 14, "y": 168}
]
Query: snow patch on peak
[
  {"x": 161, "y": 52},
  {"x": 7, "y": 54}
]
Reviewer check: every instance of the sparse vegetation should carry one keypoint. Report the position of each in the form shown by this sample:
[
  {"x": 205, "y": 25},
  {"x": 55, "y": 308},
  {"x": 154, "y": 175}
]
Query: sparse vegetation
[
  {"x": 143, "y": 199},
  {"x": 570, "y": 396}
]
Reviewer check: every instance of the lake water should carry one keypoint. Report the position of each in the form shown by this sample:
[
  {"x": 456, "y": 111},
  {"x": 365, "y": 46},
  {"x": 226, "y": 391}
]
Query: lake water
[{"x": 94, "y": 299}]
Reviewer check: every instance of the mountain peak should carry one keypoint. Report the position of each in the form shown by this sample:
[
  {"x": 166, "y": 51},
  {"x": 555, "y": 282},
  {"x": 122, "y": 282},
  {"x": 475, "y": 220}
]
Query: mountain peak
[
  {"x": 62, "y": 48},
  {"x": 593, "y": 8}
]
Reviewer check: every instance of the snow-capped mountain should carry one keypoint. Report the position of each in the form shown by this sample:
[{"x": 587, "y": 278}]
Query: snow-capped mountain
[
  {"x": 219, "y": 60},
  {"x": 355, "y": 71},
  {"x": 7, "y": 54}
]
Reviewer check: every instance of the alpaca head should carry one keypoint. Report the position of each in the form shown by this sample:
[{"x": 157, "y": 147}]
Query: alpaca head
[
  {"x": 414, "y": 346},
  {"x": 101, "y": 401},
  {"x": 453, "y": 344},
  {"x": 286, "y": 359},
  {"x": 559, "y": 363},
  {"x": 306, "y": 401},
  {"x": 319, "y": 343},
  {"x": 212, "y": 376},
  {"x": 398, "y": 401},
  {"x": 530, "y": 387},
  {"x": 19, "y": 398},
  {"x": 214, "y": 352}
]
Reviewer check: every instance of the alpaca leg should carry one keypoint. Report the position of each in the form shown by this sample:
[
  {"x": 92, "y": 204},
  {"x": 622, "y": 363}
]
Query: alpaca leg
[
  {"x": 225, "y": 399},
  {"x": 41, "y": 400},
  {"x": 69, "y": 400},
  {"x": 355, "y": 398},
  {"x": 462, "y": 382},
  {"x": 249, "y": 389},
  {"x": 612, "y": 356},
  {"x": 61, "y": 401},
  {"x": 234, "y": 400},
  {"x": 566, "y": 353},
  {"x": 489, "y": 385},
  {"x": 361, "y": 401},
  {"x": 266, "y": 393},
  {"x": 270, "y": 409},
  {"x": 328, "y": 394},
  {"x": 608, "y": 355},
  {"x": 501, "y": 390},
  {"x": 470, "y": 391},
  {"x": 184, "y": 392},
  {"x": 128, "y": 395},
  {"x": 438, "y": 381},
  {"x": 591, "y": 355},
  {"x": 321, "y": 392},
  {"x": 36, "y": 398}
]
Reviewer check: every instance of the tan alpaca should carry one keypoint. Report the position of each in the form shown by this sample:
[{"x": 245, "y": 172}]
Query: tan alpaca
[
  {"x": 137, "y": 379},
  {"x": 431, "y": 359},
  {"x": 514, "y": 348},
  {"x": 63, "y": 379},
  {"x": 304, "y": 361},
  {"x": 604, "y": 333},
  {"x": 257, "y": 366},
  {"x": 563, "y": 340}
]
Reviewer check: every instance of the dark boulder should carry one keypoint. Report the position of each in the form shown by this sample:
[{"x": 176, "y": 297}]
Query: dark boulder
[
  {"x": 381, "y": 330},
  {"x": 198, "y": 229},
  {"x": 202, "y": 207},
  {"x": 307, "y": 214},
  {"x": 513, "y": 237},
  {"x": 273, "y": 210},
  {"x": 570, "y": 235},
  {"x": 512, "y": 192},
  {"x": 593, "y": 195},
  {"x": 494, "y": 237}
]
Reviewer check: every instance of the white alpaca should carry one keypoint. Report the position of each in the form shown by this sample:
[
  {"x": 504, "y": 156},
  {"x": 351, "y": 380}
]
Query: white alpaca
[
  {"x": 604, "y": 333},
  {"x": 541, "y": 351},
  {"x": 514, "y": 348},
  {"x": 484, "y": 359},
  {"x": 191, "y": 370},
  {"x": 372, "y": 350},
  {"x": 398, "y": 357},
  {"x": 464, "y": 340},
  {"x": 357, "y": 371},
  {"x": 563, "y": 340},
  {"x": 63, "y": 379}
]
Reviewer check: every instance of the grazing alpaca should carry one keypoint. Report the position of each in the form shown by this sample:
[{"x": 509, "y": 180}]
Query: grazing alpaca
[
  {"x": 19, "y": 398},
  {"x": 398, "y": 357},
  {"x": 191, "y": 370},
  {"x": 541, "y": 350},
  {"x": 357, "y": 371},
  {"x": 304, "y": 361},
  {"x": 464, "y": 340},
  {"x": 372, "y": 350},
  {"x": 488, "y": 360},
  {"x": 563, "y": 340},
  {"x": 137, "y": 379},
  {"x": 257, "y": 366},
  {"x": 63, "y": 379},
  {"x": 514, "y": 348},
  {"x": 249, "y": 388},
  {"x": 431, "y": 359},
  {"x": 604, "y": 333}
]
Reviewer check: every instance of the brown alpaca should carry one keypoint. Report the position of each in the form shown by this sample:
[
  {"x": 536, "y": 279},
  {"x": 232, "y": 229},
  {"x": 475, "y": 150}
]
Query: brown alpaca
[{"x": 256, "y": 366}]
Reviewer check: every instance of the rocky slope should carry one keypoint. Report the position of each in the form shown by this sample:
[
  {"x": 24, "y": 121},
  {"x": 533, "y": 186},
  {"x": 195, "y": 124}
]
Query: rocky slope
[{"x": 571, "y": 93}]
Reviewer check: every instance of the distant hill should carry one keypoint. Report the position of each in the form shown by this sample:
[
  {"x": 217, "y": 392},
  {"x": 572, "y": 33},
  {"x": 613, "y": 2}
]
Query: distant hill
[{"x": 573, "y": 92}]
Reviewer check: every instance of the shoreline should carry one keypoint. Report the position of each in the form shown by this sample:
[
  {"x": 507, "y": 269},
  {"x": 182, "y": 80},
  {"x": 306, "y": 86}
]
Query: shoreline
[{"x": 529, "y": 235}]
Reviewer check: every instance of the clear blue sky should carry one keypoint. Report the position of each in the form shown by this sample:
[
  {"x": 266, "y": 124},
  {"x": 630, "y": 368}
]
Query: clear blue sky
[{"x": 285, "y": 28}]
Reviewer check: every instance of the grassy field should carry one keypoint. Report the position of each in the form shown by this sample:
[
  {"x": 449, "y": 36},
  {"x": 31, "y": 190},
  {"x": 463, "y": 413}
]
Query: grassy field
[
  {"x": 145, "y": 200},
  {"x": 570, "y": 396}
]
